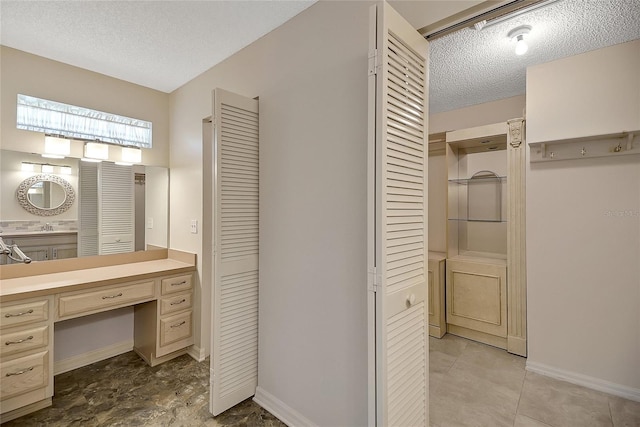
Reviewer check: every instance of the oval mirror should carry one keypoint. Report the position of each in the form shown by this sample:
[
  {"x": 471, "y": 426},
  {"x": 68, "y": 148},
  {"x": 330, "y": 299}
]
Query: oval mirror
[{"x": 45, "y": 195}]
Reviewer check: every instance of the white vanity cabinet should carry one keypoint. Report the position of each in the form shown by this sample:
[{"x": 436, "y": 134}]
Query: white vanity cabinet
[
  {"x": 26, "y": 354},
  {"x": 165, "y": 326},
  {"x": 160, "y": 290},
  {"x": 44, "y": 246}
]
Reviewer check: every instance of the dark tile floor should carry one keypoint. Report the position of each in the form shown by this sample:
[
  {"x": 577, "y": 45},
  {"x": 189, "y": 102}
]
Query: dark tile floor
[{"x": 125, "y": 391}]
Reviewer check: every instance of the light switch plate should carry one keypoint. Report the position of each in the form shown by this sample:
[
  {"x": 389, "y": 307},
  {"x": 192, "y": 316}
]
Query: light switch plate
[
  {"x": 149, "y": 223},
  {"x": 194, "y": 226}
]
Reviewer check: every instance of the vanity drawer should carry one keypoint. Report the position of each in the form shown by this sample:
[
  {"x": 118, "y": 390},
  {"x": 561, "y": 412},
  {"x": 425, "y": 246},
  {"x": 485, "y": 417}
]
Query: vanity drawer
[
  {"x": 175, "y": 328},
  {"x": 175, "y": 303},
  {"x": 27, "y": 339},
  {"x": 24, "y": 374},
  {"x": 23, "y": 314},
  {"x": 176, "y": 284},
  {"x": 104, "y": 299}
]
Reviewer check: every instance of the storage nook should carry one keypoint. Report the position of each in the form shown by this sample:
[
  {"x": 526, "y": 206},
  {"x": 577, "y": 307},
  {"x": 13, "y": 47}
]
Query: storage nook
[{"x": 484, "y": 221}]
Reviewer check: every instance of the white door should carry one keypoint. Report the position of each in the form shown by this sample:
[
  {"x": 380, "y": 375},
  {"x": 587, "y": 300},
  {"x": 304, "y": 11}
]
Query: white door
[
  {"x": 234, "y": 362},
  {"x": 116, "y": 209},
  {"x": 398, "y": 90}
]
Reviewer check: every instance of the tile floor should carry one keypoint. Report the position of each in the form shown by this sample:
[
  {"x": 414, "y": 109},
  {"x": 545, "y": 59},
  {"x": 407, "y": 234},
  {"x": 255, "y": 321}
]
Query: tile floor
[{"x": 471, "y": 385}]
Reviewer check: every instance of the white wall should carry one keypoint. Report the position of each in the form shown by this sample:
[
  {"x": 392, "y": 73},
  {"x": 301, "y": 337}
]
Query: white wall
[
  {"x": 156, "y": 186},
  {"x": 478, "y": 115},
  {"x": 310, "y": 75},
  {"x": 583, "y": 228},
  {"x": 11, "y": 175},
  {"x": 583, "y": 264},
  {"x": 43, "y": 78}
]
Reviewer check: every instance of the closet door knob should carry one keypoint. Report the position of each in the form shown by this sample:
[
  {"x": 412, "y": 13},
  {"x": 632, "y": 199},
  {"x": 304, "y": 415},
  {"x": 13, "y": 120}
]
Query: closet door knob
[{"x": 411, "y": 299}]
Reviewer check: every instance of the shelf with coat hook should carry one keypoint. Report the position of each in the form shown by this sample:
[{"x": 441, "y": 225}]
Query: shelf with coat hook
[{"x": 617, "y": 144}]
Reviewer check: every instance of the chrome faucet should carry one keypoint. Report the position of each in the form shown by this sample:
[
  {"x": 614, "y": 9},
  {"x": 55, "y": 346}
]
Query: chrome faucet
[{"x": 47, "y": 227}]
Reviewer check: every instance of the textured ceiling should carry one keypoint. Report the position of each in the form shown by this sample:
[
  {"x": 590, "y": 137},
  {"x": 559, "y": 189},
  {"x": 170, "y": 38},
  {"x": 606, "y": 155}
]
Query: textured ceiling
[
  {"x": 158, "y": 44},
  {"x": 164, "y": 44},
  {"x": 470, "y": 67}
]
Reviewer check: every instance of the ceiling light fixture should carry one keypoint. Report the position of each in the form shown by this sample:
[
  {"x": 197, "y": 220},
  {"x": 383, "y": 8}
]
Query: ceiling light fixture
[{"x": 518, "y": 34}]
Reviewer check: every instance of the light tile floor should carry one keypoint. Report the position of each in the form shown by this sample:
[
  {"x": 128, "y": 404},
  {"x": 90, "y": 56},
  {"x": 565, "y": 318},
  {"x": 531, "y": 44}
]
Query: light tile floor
[{"x": 473, "y": 384}]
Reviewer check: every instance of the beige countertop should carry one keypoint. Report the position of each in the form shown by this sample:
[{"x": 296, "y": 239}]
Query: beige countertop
[
  {"x": 52, "y": 283},
  {"x": 36, "y": 233}
]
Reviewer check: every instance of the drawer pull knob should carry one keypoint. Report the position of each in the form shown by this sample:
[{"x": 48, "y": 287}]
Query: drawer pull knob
[
  {"x": 30, "y": 337},
  {"x": 184, "y": 282},
  {"x": 177, "y": 325},
  {"x": 112, "y": 296},
  {"x": 178, "y": 302},
  {"x": 24, "y": 371},
  {"x": 18, "y": 314}
]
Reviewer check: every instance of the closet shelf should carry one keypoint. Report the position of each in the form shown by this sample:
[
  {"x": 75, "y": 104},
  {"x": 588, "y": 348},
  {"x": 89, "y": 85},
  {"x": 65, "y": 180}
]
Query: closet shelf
[
  {"x": 465, "y": 181},
  {"x": 499, "y": 221},
  {"x": 614, "y": 144}
]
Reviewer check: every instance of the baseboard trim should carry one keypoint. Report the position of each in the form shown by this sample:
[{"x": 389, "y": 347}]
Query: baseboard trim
[
  {"x": 585, "y": 381},
  {"x": 84, "y": 359},
  {"x": 197, "y": 353},
  {"x": 280, "y": 410}
]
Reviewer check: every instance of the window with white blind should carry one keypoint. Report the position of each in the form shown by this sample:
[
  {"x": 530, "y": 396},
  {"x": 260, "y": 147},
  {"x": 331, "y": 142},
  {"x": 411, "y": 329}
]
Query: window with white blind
[{"x": 56, "y": 118}]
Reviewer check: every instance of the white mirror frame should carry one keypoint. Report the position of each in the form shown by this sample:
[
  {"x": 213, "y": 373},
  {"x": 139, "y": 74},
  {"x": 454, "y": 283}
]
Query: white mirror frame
[{"x": 23, "y": 199}]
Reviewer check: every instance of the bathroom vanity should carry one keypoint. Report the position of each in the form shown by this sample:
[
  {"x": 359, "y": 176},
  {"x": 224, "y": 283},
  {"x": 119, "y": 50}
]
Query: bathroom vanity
[
  {"x": 43, "y": 245},
  {"x": 159, "y": 284}
]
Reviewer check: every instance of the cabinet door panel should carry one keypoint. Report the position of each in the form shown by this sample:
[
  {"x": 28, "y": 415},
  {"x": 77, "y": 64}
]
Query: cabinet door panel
[{"x": 476, "y": 296}]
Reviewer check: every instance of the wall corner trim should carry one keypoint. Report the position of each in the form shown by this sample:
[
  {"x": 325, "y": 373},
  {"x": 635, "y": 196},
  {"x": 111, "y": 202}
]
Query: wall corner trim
[
  {"x": 280, "y": 410},
  {"x": 585, "y": 381},
  {"x": 198, "y": 353}
]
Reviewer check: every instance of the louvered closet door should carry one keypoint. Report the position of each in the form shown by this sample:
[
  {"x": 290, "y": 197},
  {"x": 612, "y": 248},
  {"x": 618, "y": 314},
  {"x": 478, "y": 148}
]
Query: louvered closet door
[
  {"x": 401, "y": 271},
  {"x": 115, "y": 208},
  {"x": 235, "y": 288},
  {"x": 88, "y": 209}
]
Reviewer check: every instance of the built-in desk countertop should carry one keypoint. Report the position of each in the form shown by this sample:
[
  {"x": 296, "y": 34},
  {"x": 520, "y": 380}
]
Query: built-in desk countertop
[{"x": 53, "y": 283}]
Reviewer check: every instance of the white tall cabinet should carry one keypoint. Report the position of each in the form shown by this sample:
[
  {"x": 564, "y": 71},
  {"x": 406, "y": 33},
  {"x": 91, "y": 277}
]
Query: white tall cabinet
[{"x": 485, "y": 275}]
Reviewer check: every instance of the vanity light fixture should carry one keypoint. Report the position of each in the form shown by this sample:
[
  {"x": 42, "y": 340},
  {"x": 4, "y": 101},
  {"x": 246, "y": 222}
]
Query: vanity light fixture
[
  {"x": 95, "y": 152},
  {"x": 518, "y": 35},
  {"x": 65, "y": 170},
  {"x": 27, "y": 167},
  {"x": 130, "y": 155},
  {"x": 47, "y": 168},
  {"x": 56, "y": 148}
]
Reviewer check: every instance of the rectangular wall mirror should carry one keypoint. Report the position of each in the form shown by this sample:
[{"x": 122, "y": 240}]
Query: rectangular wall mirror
[{"x": 63, "y": 208}]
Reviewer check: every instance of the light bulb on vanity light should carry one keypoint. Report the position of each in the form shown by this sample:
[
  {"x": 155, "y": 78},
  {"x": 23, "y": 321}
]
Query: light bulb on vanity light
[
  {"x": 56, "y": 148},
  {"x": 95, "y": 152},
  {"x": 47, "y": 168},
  {"x": 27, "y": 167},
  {"x": 518, "y": 35},
  {"x": 130, "y": 156}
]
